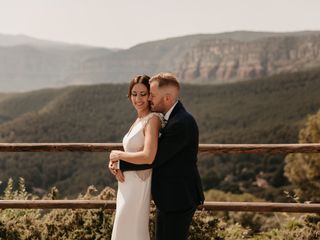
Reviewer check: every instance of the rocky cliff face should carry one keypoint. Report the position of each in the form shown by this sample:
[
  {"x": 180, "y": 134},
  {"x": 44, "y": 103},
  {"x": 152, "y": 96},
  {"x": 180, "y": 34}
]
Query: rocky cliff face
[
  {"x": 225, "y": 60},
  {"x": 204, "y": 58},
  {"x": 216, "y": 58}
]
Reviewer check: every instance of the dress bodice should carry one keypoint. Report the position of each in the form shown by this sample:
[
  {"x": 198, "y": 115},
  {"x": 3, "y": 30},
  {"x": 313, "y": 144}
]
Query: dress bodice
[{"x": 133, "y": 141}]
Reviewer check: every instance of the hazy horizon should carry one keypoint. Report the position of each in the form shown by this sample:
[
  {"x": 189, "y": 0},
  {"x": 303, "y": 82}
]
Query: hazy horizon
[
  {"x": 124, "y": 23},
  {"x": 81, "y": 44}
]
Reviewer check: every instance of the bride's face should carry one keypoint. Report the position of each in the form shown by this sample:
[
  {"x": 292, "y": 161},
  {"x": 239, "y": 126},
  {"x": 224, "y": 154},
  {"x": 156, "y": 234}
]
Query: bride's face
[{"x": 139, "y": 97}]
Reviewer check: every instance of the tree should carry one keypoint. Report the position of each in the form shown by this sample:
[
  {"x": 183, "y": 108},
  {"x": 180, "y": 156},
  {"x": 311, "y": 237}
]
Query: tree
[{"x": 303, "y": 169}]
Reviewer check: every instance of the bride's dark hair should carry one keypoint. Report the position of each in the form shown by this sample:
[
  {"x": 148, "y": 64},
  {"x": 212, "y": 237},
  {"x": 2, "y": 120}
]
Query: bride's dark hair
[{"x": 144, "y": 79}]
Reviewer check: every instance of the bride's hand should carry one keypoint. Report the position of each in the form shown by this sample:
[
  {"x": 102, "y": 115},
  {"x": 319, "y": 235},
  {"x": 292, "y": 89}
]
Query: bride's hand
[
  {"x": 115, "y": 155},
  {"x": 112, "y": 168}
]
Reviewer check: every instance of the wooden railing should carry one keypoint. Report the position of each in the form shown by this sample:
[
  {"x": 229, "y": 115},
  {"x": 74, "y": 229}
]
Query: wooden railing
[{"x": 210, "y": 148}]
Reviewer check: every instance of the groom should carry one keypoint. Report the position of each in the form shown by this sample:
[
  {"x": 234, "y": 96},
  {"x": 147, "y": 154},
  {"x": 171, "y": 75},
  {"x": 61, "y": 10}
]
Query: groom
[{"x": 176, "y": 186}]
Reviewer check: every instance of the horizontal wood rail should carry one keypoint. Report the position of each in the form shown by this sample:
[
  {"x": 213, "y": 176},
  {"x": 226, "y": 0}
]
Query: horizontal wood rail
[
  {"x": 209, "y": 206},
  {"x": 210, "y": 148}
]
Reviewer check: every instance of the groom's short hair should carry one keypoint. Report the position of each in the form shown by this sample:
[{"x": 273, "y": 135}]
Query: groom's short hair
[{"x": 165, "y": 79}]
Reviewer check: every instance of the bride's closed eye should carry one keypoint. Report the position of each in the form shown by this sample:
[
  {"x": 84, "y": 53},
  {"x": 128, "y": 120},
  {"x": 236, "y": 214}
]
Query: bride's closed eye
[{"x": 142, "y": 94}]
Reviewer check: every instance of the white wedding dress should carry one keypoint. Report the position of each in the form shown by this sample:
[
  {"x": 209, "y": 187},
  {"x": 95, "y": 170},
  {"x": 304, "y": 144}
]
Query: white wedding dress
[{"x": 134, "y": 194}]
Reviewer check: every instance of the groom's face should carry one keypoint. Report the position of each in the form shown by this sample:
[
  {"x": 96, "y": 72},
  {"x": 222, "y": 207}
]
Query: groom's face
[{"x": 156, "y": 98}]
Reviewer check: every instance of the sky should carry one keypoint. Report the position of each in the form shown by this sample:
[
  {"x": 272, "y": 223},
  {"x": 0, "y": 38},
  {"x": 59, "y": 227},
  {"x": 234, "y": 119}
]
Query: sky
[{"x": 125, "y": 23}]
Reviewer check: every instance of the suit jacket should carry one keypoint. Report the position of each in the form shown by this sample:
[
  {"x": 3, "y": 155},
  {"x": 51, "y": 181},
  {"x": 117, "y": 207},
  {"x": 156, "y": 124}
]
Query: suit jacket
[{"x": 176, "y": 183}]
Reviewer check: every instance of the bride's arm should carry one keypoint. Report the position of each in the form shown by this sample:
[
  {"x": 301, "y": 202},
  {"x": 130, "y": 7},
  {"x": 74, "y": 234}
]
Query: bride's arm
[{"x": 147, "y": 155}]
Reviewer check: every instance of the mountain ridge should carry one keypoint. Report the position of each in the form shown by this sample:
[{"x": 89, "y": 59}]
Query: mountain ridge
[
  {"x": 7, "y": 40},
  {"x": 197, "y": 59}
]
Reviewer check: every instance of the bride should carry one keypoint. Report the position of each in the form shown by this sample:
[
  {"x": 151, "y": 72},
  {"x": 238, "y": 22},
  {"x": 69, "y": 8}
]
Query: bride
[{"x": 140, "y": 147}]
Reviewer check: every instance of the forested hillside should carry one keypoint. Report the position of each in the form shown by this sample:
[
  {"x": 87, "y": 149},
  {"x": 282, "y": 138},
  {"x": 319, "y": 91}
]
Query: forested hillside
[{"x": 270, "y": 110}]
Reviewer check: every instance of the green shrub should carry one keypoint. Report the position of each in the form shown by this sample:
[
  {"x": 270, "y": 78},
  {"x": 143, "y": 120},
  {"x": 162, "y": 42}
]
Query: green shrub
[{"x": 84, "y": 224}]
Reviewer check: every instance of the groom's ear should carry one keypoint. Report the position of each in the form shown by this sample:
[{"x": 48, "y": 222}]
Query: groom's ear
[{"x": 167, "y": 97}]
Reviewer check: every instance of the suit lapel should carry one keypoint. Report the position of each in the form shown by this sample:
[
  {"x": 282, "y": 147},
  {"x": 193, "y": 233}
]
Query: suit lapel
[{"x": 176, "y": 109}]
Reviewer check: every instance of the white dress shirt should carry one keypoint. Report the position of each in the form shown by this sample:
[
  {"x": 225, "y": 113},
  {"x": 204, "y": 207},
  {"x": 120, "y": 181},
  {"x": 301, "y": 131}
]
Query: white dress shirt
[{"x": 167, "y": 115}]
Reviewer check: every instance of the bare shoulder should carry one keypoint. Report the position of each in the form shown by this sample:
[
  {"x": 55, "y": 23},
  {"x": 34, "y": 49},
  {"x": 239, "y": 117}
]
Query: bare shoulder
[{"x": 155, "y": 120}]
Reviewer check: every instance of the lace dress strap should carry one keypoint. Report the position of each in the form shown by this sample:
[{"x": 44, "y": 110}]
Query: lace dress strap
[{"x": 150, "y": 115}]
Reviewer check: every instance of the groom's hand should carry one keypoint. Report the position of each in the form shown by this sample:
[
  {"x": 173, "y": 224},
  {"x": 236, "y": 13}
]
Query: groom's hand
[{"x": 119, "y": 176}]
